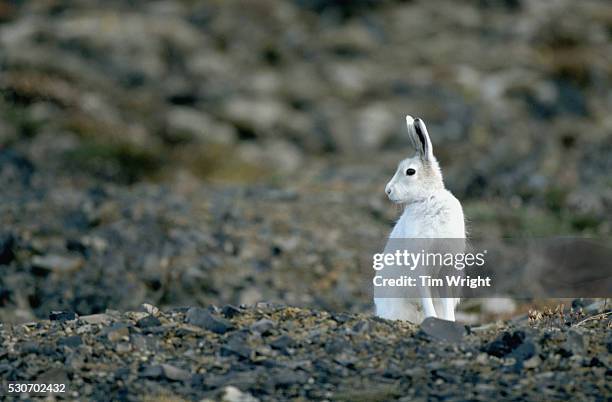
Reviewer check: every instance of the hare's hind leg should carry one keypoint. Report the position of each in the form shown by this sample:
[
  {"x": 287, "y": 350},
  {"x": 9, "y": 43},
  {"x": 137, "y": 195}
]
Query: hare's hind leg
[
  {"x": 427, "y": 302},
  {"x": 448, "y": 308},
  {"x": 428, "y": 307}
]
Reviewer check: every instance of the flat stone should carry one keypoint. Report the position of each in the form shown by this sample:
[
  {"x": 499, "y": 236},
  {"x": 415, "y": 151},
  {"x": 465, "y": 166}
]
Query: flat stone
[
  {"x": 282, "y": 342},
  {"x": 154, "y": 372},
  {"x": 233, "y": 394},
  {"x": 242, "y": 379},
  {"x": 174, "y": 373},
  {"x": 56, "y": 263},
  {"x": 29, "y": 347},
  {"x": 119, "y": 334},
  {"x": 361, "y": 326},
  {"x": 70, "y": 341},
  {"x": 62, "y": 316},
  {"x": 524, "y": 351},
  {"x": 102, "y": 319},
  {"x": 443, "y": 330},
  {"x": 204, "y": 319},
  {"x": 576, "y": 342},
  {"x": 532, "y": 362},
  {"x": 148, "y": 321},
  {"x": 287, "y": 378},
  {"x": 123, "y": 347},
  {"x": 230, "y": 311},
  {"x": 236, "y": 346},
  {"x": 55, "y": 375},
  {"x": 263, "y": 326}
]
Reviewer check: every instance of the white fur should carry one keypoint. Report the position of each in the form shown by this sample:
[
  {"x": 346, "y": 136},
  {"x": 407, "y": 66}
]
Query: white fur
[{"x": 431, "y": 211}]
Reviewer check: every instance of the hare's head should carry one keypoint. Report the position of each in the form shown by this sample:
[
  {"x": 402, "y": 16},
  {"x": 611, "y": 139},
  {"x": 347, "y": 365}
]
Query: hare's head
[{"x": 418, "y": 176}]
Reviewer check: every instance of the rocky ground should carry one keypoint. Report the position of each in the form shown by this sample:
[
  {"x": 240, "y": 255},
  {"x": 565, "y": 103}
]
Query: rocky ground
[
  {"x": 185, "y": 153},
  {"x": 270, "y": 353}
]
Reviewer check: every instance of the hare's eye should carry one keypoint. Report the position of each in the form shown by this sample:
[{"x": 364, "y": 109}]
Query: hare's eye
[{"x": 410, "y": 172}]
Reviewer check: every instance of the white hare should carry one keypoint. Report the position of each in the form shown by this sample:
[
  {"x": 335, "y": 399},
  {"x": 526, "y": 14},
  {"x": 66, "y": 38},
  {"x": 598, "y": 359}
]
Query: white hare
[{"x": 430, "y": 211}]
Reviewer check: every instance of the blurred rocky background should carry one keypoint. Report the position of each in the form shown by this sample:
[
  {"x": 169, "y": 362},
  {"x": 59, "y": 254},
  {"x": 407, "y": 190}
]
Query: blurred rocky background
[{"x": 198, "y": 152}]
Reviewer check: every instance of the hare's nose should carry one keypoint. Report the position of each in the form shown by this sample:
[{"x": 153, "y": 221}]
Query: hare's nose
[{"x": 388, "y": 190}]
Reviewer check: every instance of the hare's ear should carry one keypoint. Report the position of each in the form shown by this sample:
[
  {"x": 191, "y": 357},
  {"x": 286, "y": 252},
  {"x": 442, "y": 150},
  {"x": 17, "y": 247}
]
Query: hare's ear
[{"x": 420, "y": 138}]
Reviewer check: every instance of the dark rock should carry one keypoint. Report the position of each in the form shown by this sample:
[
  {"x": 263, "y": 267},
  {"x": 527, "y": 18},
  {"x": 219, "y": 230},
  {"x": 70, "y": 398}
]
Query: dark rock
[
  {"x": 62, "y": 316},
  {"x": 581, "y": 303},
  {"x": 347, "y": 359},
  {"x": 122, "y": 373},
  {"x": 287, "y": 378},
  {"x": 576, "y": 342},
  {"x": 443, "y": 330},
  {"x": 15, "y": 167},
  {"x": 393, "y": 371},
  {"x": 152, "y": 372},
  {"x": 96, "y": 319},
  {"x": 564, "y": 352},
  {"x": 505, "y": 343},
  {"x": 148, "y": 321},
  {"x": 263, "y": 326},
  {"x": 230, "y": 311},
  {"x": 524, "y": 351},
  {"x": 7, "y": 242},
  {"x": 29, "y": 347},
  {"x": 595, "y": 362},
  {"x": 204, "y": 319},
  {"x": 56, "y": 375},
  {"x": 144, "y": 343},
  {"x": 341, "y": 318},
  {"x": 76, "y": 245},
  {"x": 241, "y": 379},
  {"x": 118, "y": 332},
  {"x": 336, "y": 346},
  {"x": 70, "y": 341},
  {"x": 159, "y": 330},
  {"x": 174, "y": 373},
  {"x": 50, "y": 351},
  {"x": 237, "y": 346},
  {"x": 361, "y": 326},
  {"x": 282, "y": 342}
]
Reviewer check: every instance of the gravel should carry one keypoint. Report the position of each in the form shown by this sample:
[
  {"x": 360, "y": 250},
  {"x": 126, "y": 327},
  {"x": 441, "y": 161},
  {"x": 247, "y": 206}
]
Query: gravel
[{"x": 310, "y": 354}]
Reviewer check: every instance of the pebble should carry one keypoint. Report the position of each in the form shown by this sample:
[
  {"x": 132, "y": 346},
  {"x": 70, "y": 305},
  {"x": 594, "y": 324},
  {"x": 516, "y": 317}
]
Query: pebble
[
  {"x": 119, "y": 333},
  {"x": 174, "y": 373},
  {"x": 62, "y": 316},
  {"x": 283, "y": 342},
  {"x": 230, "y": 311},
  {"x": 263, "y": 326},
  {"x": 56, "y": 263},
  {"x": 148, "y": 321},
  {"x": 505, "y": 343},
  {"x": 100, "y": 319},
  {"x": 70, "y": 341},
  {"x": 233, "y": 394},
  {"x": 576, "y": 342},
  {"x": 123, "y": 347},
  {"x": 204, "y": 319}
]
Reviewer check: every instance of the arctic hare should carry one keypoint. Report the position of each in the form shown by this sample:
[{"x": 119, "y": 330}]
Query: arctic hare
[{"x": 430, "y": 211}]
